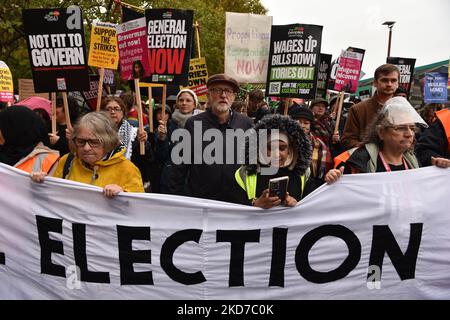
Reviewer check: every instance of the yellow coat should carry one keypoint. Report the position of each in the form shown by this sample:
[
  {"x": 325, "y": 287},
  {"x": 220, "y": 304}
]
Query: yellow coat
[{"x": 115, "y": 170}]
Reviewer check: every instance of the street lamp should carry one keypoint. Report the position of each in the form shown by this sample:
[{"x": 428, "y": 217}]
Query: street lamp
[{"x": 390, "y": 24}]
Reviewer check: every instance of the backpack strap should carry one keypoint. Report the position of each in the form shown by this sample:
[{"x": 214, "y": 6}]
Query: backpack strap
[{"x": 68, "y": 164}]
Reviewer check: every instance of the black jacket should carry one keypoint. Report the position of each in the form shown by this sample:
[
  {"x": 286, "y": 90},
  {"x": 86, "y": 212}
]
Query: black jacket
[
  {"x": 204, "y": 180},
  {"x": 432, "y": 142}
]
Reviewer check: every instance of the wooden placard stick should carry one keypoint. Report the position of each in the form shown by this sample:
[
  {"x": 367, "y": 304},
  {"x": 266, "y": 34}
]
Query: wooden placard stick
[
  {"x": 140, "y": 118},
  {"x": 163, "y": 110},
  {"x": 66, "y": 111},
  {"x": 197, "y": 27},
  {"x": 101, "y": 72},
  {"x": 150, "y": 109},
  {"x": 339, "y": 102},
  {"x": 53, "y": 113},
  {"x": 286, "y": 106}
]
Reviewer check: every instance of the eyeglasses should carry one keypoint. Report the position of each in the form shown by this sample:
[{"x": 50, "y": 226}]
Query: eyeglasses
[
  {"x": 219, "y": 91},
  {"x": 115, "y": 109},
  {"x": 93, "y": 143},
  {"x": 405, "y": 128}
]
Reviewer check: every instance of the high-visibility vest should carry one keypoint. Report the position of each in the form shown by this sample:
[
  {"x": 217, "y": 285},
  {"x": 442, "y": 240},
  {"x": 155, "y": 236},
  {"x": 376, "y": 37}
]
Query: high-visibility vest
[
  {"x": 248, "y": 182},
  {"x": 40, "y": 162},
  {"x": 343, "y": 157},
  {"x": 444, "y": 116}
]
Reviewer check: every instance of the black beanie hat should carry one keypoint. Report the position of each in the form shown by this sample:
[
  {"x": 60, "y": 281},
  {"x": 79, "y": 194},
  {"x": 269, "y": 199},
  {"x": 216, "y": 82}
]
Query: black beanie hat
[{"x": 300, "y": 112}]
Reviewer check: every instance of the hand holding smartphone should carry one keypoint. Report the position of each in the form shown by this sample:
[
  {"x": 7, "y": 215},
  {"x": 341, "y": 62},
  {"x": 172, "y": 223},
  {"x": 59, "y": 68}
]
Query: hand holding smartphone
[{"x": 278, "y": 187}]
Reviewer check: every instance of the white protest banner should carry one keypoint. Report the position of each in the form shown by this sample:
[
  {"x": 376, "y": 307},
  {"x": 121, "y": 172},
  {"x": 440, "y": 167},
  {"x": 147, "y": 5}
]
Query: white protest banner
[
  {"x": 369, "y": 236},
  {"x": 247, "y": 44}
]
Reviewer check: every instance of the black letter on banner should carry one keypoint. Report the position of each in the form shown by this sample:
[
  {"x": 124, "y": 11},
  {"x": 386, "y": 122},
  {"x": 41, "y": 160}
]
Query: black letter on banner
[
  {"x": 278, "y": 257},
  {"x": 384, "y": 241},
  {"x": 128, "y": 256},
  {"x": 2, "y": 258},
  {"x": 302, "y": 252},
  {"x": 44, "y": 226},
  {"x": 237, "y": 238},
  {"x": 167, "y": 251},
  {"x": 79, "y": 249}
]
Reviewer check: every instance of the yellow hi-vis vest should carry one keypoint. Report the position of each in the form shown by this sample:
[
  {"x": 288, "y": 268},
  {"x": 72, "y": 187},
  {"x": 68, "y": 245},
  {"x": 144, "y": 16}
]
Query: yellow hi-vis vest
[{"x": 248, "y": 182}]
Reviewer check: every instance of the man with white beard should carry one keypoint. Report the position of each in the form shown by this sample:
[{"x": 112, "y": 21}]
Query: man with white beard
[{"x": 210, "y": 163}]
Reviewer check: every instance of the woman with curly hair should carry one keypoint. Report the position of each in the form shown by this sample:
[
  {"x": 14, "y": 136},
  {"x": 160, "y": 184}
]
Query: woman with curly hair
[{"x": 288, "y": 154}]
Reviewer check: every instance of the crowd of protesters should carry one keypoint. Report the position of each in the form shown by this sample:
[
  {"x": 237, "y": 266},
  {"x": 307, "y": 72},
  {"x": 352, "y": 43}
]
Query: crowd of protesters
[{"x": 381, "y": 134}]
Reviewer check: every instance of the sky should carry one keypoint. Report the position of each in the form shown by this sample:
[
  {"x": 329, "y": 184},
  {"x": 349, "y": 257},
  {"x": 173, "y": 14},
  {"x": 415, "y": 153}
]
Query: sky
[{"x": 421, "y": 31}]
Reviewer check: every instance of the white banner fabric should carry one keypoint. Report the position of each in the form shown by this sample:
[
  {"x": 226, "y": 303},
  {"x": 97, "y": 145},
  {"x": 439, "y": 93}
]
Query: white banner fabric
[{"x": 153, "y": 246}]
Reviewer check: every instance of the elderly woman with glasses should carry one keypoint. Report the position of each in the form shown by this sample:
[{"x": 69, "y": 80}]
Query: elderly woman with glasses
[
  {"x": 98, "y": 158},
  {"x": 389, "y": 142},
  {"x": 130, "y": 137}
]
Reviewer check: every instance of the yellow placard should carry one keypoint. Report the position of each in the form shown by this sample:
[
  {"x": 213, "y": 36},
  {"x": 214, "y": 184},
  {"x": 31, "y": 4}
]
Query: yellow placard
[
  {"x": 6, "y": 84},
  {"x": 103, "y": 51},
  {"x": 198, "y": 76},
  {"x": 152, "y": 85}
]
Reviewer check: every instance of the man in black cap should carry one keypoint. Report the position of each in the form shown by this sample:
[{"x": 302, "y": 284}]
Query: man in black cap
[{"x": 203, "y": 176}]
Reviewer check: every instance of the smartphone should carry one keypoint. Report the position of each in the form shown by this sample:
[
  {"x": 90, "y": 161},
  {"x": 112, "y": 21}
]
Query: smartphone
[{"x": 278, "y": 187}]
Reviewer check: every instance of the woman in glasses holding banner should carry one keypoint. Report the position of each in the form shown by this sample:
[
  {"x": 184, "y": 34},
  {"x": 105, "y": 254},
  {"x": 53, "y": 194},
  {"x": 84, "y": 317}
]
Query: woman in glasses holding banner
[
  {"x": 98, "y": 158},
  {"x": 388, "y": 145}
]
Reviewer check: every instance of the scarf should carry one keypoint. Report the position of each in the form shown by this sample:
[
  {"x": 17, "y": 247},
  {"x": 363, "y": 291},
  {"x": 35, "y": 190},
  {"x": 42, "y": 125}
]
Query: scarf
[
  {"x": 180, "y": 118},
  {"x": 321, "y": 158},
  {"x": 127, "y": 134}
]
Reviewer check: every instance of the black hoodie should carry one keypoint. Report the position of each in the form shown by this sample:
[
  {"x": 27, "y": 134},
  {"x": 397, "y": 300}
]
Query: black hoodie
[{"x": 22, "y": 130}]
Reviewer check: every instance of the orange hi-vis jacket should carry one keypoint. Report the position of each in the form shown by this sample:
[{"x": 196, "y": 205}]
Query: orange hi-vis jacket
[
  {"x": 444, "y": 116},
  {"x": 343, "y": 157},
  {"x": 41, "y": 159}
]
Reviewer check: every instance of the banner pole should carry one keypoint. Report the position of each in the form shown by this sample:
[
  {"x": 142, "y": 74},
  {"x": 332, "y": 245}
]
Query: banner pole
[
  {"x": 66, "y": 110},
  {"x": 101, "y": 71},
  {"x": 150, "y": 109},
  {"x": 340, "y": 102},
  {"x": 140, "y": 118},
  {"x": 197, "y": 26},
  {"x": 53, "y": 113},
  {"x": 286, "y": 106},
  {"x": 163, "y": 110},
  {"x": 121, "y": 3}
]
